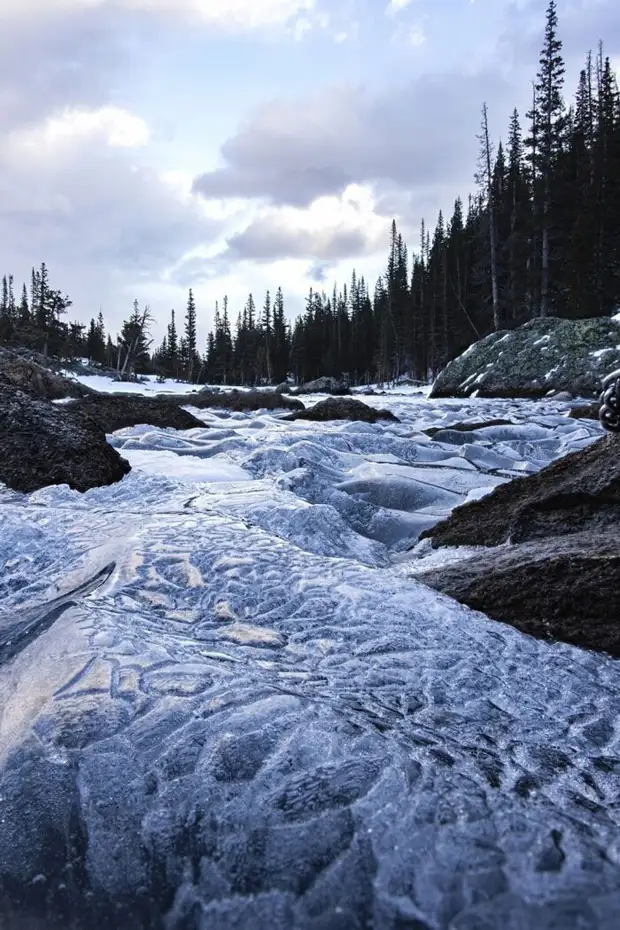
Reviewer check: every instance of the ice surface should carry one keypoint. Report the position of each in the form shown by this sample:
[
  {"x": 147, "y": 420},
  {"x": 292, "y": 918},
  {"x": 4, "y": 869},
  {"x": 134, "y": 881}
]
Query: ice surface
[{"x": 225, "y": 701}]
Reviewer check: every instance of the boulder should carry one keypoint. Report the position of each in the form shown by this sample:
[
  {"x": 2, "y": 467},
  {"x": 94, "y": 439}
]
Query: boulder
[
  {"x": 585, "y": 412},
  {"x": 239, "y": 400},
  {"x": 563, "y": 588},
  {"x": 540, "y": 357},
  {"x": 577, "y": 492},
  {"x": 324, "y": 386},
  {"x": 43, "y": 443},
  {"x": 550, "y": 563},
  {"x": 25, "y": 375},
  {"x": 343, "y": 408},
  {"x": 118, "y": 411},
  {"x": 432, "y": 431}
]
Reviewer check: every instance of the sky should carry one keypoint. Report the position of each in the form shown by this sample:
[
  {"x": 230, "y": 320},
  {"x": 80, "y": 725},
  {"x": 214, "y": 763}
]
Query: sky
[{"x": 234, "y": 146}]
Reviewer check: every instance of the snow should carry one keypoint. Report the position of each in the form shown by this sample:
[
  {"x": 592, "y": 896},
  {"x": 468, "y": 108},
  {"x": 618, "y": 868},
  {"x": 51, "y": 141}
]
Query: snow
[
  {"x": 149, "y": 385},
  {"x": 261, "y": 717}
]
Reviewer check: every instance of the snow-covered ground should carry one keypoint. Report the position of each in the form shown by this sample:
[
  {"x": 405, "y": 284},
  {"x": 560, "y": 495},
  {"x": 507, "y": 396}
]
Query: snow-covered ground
[
  {"x": 148, "y": 385},
  {"x": 224, "y": 670}
]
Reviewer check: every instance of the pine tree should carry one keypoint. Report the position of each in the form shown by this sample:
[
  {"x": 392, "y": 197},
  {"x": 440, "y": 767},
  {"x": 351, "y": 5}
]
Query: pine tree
[
  {"x": 190, "y": 335},
  {"x": 24, "y": 310},
  {"x": 172, "y": 348},
  {"x": 548, "y": 123},
  {"x": 484, "y": 178}
]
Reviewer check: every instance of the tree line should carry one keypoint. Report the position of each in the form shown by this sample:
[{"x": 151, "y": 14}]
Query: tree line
[{"x": 538, "y": 237}]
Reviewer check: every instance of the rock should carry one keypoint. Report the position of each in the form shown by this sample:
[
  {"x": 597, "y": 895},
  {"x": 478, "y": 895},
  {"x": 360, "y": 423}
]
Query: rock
[
  {"x": 118, "y": 411},
  {"x": 43, "y": 443},
  {"x": 283, "y": 388},
  {"x": 580, "y": 491},
  {"x": 239, "y": 400},
  {"x": 466, "y": 427},
  {"x": 560, "y": 577},
  {"x": 324, "y": 386},
  {"x": 34, "y": 380},
  {"x": 563, "y": 588},
  {"x": 541, "y": 356},
  {"x": 562, "y": 395},
  {"x": 343, "y": 408},
  {"x": 585, "y": 412}
]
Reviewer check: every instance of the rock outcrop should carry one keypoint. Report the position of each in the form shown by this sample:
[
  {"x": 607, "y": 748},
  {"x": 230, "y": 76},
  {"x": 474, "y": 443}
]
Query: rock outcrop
[
  {"x": 540, "y": 357},
  {"x": 42, "y": 443},
  {"x": 332, "y": 386},
  {"x": 239, "y": 401},
  {"x": 343, "y": 408},
  {"x": 23, "y": 374},
  {"x": 550, "y": 564},
  {"x": 119, "y": 411}
]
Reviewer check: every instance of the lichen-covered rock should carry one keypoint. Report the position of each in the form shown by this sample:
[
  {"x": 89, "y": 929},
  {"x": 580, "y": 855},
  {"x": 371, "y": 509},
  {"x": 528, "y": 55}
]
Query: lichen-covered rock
[
  {"x": 542, "y": 356},
  {"x": 42, "y": 443},
  {"x": 343, "y": 408},
  {"x": 34, "y": 380},
  {"x": 119, "y": 411}
]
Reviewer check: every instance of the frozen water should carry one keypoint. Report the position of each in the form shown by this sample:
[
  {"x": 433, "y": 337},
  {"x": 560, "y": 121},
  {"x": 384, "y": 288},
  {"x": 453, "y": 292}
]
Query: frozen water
[{"x": 225, "y": 701}]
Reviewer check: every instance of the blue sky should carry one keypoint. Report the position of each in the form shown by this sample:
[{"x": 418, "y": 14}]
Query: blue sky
[{"x": 239, "y": 145}]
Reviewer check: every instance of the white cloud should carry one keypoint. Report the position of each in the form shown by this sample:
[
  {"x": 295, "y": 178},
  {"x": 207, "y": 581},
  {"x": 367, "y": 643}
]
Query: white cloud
[
  {"x": 74, "y": 194},
  {"x": 330, "y": 229},
  {"x": 228, "y": 15},
  {"x": 396, "y": 6},
  {"x": 416, "y": 35},
  {"x": 112, "y": 126}
]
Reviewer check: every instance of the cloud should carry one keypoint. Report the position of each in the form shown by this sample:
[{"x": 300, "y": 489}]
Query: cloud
[
  {"x": 294, "y": 151},
  {"x": 330, "y": 230},
  {"x": 396, "y": 6},
  {"x": 226, "y": 15},
  {"x": 75, "y": 192},
  {"x": 48, "y": 64}
]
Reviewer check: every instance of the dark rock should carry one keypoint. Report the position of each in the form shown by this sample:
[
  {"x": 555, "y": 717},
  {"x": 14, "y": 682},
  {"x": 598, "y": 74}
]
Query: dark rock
[
  {"x": 324, "y": 386},
  {"x": 560, "y": 578},
  {"x": 542, "y": 356},
  {"x": 23, "y": 374},
  {"x": 561, "y": 588},
  {"x": 580, "y": 491},
  {"x": 466, "y": 427},
  {"x": 118, "y": 411},
  {"x": 43, "y": 443},
  {"x": 585, "y": 412},
  {"x": 239, "y": 400},
  {"x": 343, "y": 408}
]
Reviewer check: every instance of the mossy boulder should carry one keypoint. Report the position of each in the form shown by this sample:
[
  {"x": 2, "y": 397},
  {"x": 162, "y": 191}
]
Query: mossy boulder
[{"x": 541, "y": 357}]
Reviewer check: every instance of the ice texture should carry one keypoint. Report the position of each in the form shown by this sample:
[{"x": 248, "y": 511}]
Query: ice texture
[{"x": 225, "y": 702}]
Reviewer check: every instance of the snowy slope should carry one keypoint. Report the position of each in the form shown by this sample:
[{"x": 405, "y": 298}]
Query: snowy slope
[{"x": 248, "y": 715}]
